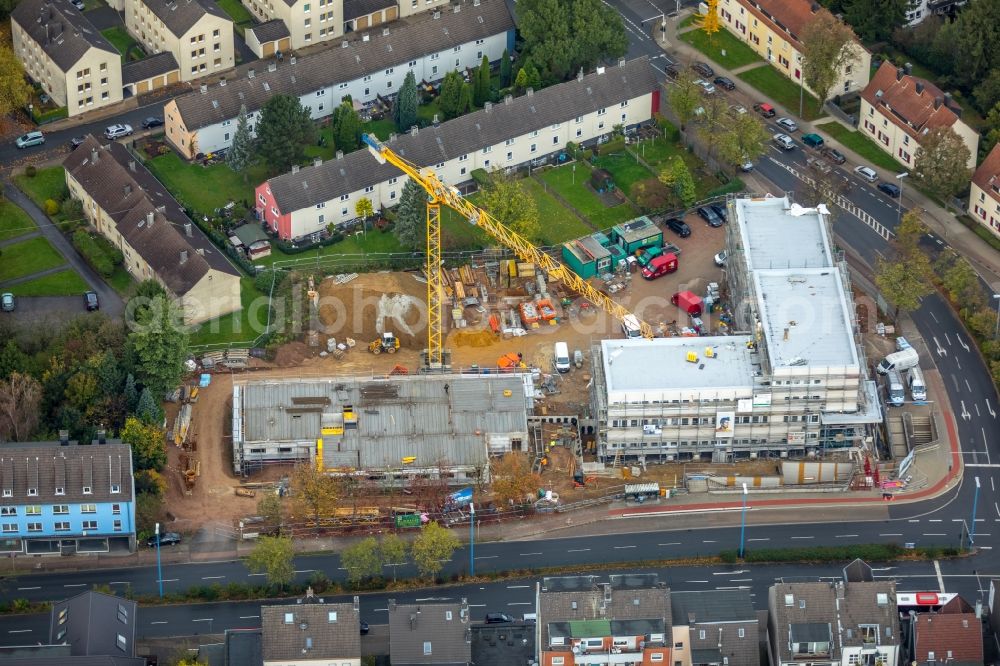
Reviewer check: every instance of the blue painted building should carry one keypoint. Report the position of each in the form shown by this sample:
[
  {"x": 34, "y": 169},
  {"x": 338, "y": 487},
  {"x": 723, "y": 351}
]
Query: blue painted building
[{"x": 59, "y": 498}]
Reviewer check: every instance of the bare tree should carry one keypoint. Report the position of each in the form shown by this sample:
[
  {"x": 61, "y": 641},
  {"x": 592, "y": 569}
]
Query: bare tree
[{"x": 20, "y": 396}]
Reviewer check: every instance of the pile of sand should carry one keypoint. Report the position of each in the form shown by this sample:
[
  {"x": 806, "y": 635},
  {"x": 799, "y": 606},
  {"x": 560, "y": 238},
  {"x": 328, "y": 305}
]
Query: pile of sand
[
  {"x": 373, "y": 303},
  {"x": 473, "y": 338}
]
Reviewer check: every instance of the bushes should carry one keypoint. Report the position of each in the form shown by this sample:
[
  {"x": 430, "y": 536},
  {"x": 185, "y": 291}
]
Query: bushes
[
  {"x": 873, "y": 552},
  {"x": 99, "y": 253},
  {"x": 51, "y": 207},
  {"x": 288, "y": 248},
  {"x": 30, "y": 171}
]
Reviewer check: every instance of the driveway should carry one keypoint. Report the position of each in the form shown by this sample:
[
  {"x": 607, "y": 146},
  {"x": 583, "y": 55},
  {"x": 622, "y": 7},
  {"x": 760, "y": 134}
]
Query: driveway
[
  {"x": 52, "y": 311},
  {"x": 111, "y": 303}
]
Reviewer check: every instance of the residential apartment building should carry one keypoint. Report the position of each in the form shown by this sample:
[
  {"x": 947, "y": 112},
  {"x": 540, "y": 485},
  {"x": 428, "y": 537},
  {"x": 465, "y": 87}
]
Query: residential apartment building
[
  {"x": 316, "y": 21},
  {"x": 366, "y": 67},
  {"x": 197, "y": 32},
  {"x": 952, "y": 635},
  {"x": 714, "y": 627},
  {"x": 793, "y": 384},
  {"x": 131, "y": 208},
  {"x": 582, "y": 620},
  {"x": 897, "y": 109},
  {"x": 311, "y": 633},
  {"x": 849, "y": 622},
  {"x": 63, "y": 52},
  {"x": 505, "y": 135},
  {"x": 984, "y": 193},
  {"x": 60, "y": 498},
  {"x": 773, "y": 29},
  {"x": 919, "y": 10},
  {"x": 424, "y": 634}
]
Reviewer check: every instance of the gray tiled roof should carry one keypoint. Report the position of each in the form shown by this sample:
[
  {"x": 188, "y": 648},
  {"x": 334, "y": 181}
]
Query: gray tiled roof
[
  {"x": 127, "y": 191},
  {"x": 47, "y": 659},
  {"x": 355, "y": 8},
  {"x": 722, "y": 615},
  {"x": 407, "y": 40},
  {"x": 319, "y": 630},
  {"x": 466, "y": 134},
  {"x": 63, "y": 32},
  {"x": 154, "y": 65},
  {"x": 503, "y": 644},
  {"x": 181, "y": 15},
  {"x": 410, "y": 626},
  {"x": 47, "y": 465},
  {"x": 711, "y": 606},
  {"x": 270, "y": 31},
  {"x": 92, "y": 622}
]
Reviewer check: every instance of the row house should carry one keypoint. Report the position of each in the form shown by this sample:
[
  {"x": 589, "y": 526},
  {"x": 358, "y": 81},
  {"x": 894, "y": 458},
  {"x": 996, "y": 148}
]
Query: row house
[
  {"x": 63, "y": 497},
  {"x": 310, "y": 632},
  {"x": 951, "y": 635},
  {"x": 365, "y": 68},
  {"x": 506, "y": 135},
  {"x": 436, "y": 633},
  {"x": 773, "y": 29},
  {"x": 66, "y": 55},
  {"x": 714, "y": 627},
  {"x": 197, "y": 33},
  {"x": 984, "y": 194},
  {"x": 897, "y": 109},
  {"x": 311, "y": 22},
  {"x": 133, "y": 210}
]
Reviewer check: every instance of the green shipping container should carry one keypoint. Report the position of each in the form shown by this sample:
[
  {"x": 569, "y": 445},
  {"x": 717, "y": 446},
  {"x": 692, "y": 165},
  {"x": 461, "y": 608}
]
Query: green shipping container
[{"x": 408, "y": 520}]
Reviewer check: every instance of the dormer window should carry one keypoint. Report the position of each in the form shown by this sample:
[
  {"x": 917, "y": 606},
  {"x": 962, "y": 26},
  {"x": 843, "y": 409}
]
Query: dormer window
[
  {"x": 115, "y": 488},
  {"x": 87, "y": 490},
  {"x": 7, "y": 492},
  {"x": 32, "y": 492},
  {"x": 289, "y": 618},
  {"x": 60, "y": 490}
]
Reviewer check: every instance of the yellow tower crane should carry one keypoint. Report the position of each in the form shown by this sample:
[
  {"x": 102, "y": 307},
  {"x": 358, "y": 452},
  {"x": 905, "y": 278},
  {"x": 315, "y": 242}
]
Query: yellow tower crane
[{"x": 439, "y": 193}]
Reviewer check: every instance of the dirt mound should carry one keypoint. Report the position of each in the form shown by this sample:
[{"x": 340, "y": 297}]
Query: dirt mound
[
  {"x": 373, "y": 303},
  {"x": 477, "y": 338}
]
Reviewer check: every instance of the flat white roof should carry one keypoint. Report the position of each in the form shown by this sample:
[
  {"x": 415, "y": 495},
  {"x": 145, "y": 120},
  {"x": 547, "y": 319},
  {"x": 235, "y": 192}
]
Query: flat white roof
[
  {"x": 805, "y": 319},
  {"x": 638, "y": 369},
  {"x": 777, "y": 235}
]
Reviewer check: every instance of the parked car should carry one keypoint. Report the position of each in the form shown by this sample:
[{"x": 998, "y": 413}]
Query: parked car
[
  {"x": 7, "y": 302},
  {"x": 151, "y": 122},
  {"x": 725, "y": 82},
  {"x": 663, "y": 264},
  {"x": 672, "y": 72},
  {"x": 890, "y": 188},
  {"x": 710, "y": 215},
  {"x": 166, "y": 539},
  {"x": 813, "y": 140},
  {"x": 834, "y": 155},
  {"x": 818, "y": 165},
  {"x": 746, "y": 167},
  {"x": 737, "y": 110},
  {"x": 720, "y": 259},
  {"x": 90, "y": 301},
  {"x": 364, "y": 628},
  {"x": 787, "y": 124},
  {"x": 679, "y": 227},
  {"x": 866, "y": 173},
  {"x": 117, "y": 131},
  {"x": 35, "y": 138},
  {"x": 498, "y": 618},
  {"x": 784, "y": 141},
  {"x": 703, "y": 69},
  {"x": 79, "y": 4},
  {"x": 720, "y": 211},
  {"x": 764, "y": 109},
  {"x": 706, "y": 87},
  {"x": 76, "y": 142}
]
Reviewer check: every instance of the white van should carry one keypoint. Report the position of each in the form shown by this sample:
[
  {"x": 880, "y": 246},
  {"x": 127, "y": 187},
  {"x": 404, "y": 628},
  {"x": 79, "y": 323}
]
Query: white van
[
  {"x": 895, "y": 389},
  {"x": 918, "y": 390},
  {"x": 630, "y": 326},
  {"x": 898, "y": 361},
  {"x": 562, "y": 357}
]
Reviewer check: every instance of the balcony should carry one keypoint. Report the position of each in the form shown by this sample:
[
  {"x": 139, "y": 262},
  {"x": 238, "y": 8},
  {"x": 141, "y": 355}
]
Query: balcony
[{"x": 603, "y": 657}]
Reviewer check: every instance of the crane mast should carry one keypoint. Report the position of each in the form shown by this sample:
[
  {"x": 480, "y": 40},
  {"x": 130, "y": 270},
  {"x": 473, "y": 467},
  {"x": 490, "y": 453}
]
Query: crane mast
[{"x": 438, "y": 194}]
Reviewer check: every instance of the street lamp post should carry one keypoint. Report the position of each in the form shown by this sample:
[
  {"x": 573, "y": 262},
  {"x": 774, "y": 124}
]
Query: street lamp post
[
  {"x": 975, "y": 501},
  {"x": 899, "y": 204},
  {"x": 743, "y": 519},
  {"x": 996, "y": 330},
  {"x": 472, "y": 539},
  {"x": 159, "y": 570}
]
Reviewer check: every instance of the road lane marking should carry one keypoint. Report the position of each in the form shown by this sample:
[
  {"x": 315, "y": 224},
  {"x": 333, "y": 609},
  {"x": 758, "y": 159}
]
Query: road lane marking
[
  {"x": 517, "y": 587},
  {"x": 528, "y": 554},
  {"x": 28, "y": 588},
  {"x": 696, "y": 581},
  {"x": 487, "y": 557},
  {"x": 990, "y": 408},
  {"x": 306, "y": 571},
  {"x": 623, "y": 547},
  {"x": 935, "y": 520},
  {"x": 257, "y": 574},
  {"x": 913, "y": 520},
  {"x": 765, "y": 539},
  {"x": 159, "y": 622},
  {"x": 937, "y": 570},
  {"x": 577, "y": 550},
  {"x": 802, "y": 537},
  {"x": 740, "y": 580},
  {"x": 125, "y": 582},
  {"x": 708, "y": 541},
  {"x": 211, "y": 577},
  {"x": 672, "y": 543},
  {"x": 520, "y": 603},
  {"x": 75, "y": 585},
  {"x": 202, "y": 619},
  {"x": 891, "y": 534},
  {"x": 19, "y": 631},
  {"x": 968, "y": 385},
  {"x": 846, "y": 536},
  {"x": 934, "y": 534},
  {"x": 174, "y": 580},
  {"x": 962, "y": 342},
  {"x": 249, "y": 617}
]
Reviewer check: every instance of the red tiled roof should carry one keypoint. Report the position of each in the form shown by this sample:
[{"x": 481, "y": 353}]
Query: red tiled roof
[
  {"x": 956, "y": 638},
  {"x": 987, "y": 176},
  {"x": 912, "y": 103},
  {"x": 788, "y": 17}
]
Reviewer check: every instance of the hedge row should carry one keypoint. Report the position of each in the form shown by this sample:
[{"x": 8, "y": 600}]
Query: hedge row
[
  {"x": 868, "y": 552},
  {"x": 99, "y": 253}
]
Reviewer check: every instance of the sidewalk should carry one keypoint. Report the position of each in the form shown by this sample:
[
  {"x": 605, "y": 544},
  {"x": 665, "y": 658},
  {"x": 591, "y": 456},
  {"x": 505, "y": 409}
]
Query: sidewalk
[{"x": 984, "y": 258}]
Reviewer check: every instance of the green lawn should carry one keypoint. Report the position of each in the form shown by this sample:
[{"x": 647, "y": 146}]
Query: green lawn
[
  {"x": 737, "y": 53},
  {"x": 372, "y": 242},
  {"x": 557, "y": 223},
  {"x": 47, "y": 184},
  {"x": 63, "y": 283},
  {"x": 575, "y": 189},
  {"x": 688, "y": 21},
  {"x": 121, "y": 281},
  {"x": 625, "y": 168},
  {"x": 204, "y": 188},
  {"x": 120, "y": 39},
  {"x": 781, "y": 90},
  {"x": 860, "y": 144},
  {"x": 14, "y": 222},
  {"x": 237, "y": 326},
  {"x": 425, "y": 112},
  {"x": 236, "y": 11},
  {"x": 27, "y": 257}
]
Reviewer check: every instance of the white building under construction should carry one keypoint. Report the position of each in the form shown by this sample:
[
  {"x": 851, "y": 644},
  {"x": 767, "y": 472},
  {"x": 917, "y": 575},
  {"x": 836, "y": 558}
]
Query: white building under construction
[
  {"x": 386, "y": 428},
  {"x": 794, "y": 381}
]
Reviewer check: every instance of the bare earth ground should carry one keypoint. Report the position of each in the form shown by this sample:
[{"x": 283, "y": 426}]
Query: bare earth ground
[{"x": 376, "y": 302}]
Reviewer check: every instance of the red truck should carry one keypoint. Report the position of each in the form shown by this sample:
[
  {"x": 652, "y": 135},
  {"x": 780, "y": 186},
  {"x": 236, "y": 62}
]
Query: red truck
[
  {"x": 659, "y": 266},
  {"x": 688, "y": 302}
]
